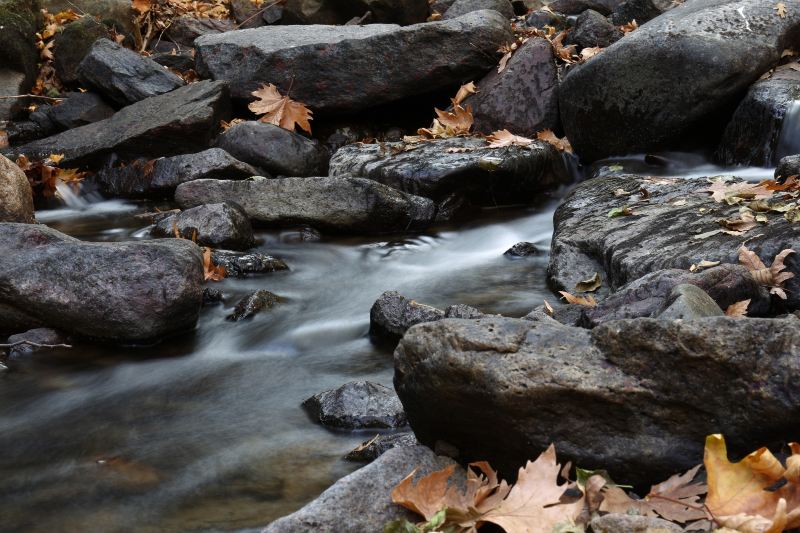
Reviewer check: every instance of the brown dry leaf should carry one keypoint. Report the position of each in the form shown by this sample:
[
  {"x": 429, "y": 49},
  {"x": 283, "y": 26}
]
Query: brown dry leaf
[
  {"x": 589, "y": 285},
  {"x": 586, "y": 301},
  {"x": 590, "y": 52},
  {"x": 428, "y": 496},
  {"x": 565, "y": 53},
  {"x": 464, "y": 91},
  {"x": 507, "y": 50},
  {"x": 503, "y": 138},
  {"x": 548, "y": 308},
  {"x": 280, "y": 110},
  {"x": 738, "y": 309},
  {"x": 732, "y": 193},
  {"x": 702, "y": 265},
  {"x": 773, "y": 277},
  {"x": 629, "y": 27},
  {"x": 212, "y": 272},
  {"x": 780, "y": 9},
  {"x": 142, "y": 6},
  {"x": 743, "y": 493},
  {"x": 459, "y": 120},
  {"x": 744, "y": 223},
  {"x": 3, "y": 139},
  {"x": 561, "y": 144}
]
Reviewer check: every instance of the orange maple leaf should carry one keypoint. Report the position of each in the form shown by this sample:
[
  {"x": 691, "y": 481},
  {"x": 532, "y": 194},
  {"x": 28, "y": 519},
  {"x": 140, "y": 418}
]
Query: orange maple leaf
[{"x": 280, "y": 110}]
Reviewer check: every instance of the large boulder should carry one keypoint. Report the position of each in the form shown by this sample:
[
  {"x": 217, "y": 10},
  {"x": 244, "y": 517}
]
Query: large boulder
[
  {"x": 754, "y": 136},
  {"x": 676, "y": 227},
  {"x": 177, "y": 122},
  {"x": 339, "y": 204},
  {"x": 15, "y": 191},
  {"x": 341, "y": 11},
  {"x": 363, "y": 499},
  {"x": 523, "y": 98},
  {"x": 349, "y": 68},
  {"x": 636, "y": 397},
  {"x": 121, "y": 292},
  {"x": 122, "y": 75},
  {"x": 19, "y": 22},
  {"x": 275, "y": 149},
  {"x": 667, "y": 79},
  {"x": 593, "y": 29},
  {"x": 223, "y": 225},
  {"x": 463, "y": 166},
  {"x": 357, "y": 405}
]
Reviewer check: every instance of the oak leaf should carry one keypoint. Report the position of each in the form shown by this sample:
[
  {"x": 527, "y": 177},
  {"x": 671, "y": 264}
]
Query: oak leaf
[
  {"x": 503, "y": 138},
  {"x": 629, "y": 27},
  {"x": 211, "y": 271},
  {"x": 773, "y": 277},
  {"x": 733, "y": 193},
  {"x": 280, "y": 110}
]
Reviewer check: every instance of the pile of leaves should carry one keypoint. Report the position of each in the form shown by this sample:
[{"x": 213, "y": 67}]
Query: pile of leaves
[
  {"x": 153, "y": 17},
  {"x": 47, "y": 83},
  {"x": 738, "y": 496},
  {"x": 45, "y": 175}
]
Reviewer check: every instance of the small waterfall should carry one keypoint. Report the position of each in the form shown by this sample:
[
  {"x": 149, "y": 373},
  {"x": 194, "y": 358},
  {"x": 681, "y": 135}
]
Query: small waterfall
[
  {"x": 789, "y": 137},
  {"x": 70, "y": 198}
]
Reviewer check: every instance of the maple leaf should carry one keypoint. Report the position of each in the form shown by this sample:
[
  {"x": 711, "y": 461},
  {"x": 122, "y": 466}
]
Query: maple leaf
[
  {"x": 780, "y": 9},
  {"x": 503, "y": 138},
  {"x": 738, "y": 309},
  {"x": 211, "y": 271},
  {"x": 732, "y": 193},
  {"x": 460, "y": 119},
  {"x": 743, "y": 493},
  {"x": 774, "y": 276},
  {"x": 562, "y": 144},
  {"x": 744, "y": 223},
  {"x": 280, "y": 110},
  {"x": 586, "y": 301},
  {"x": 464, "y": 91}
]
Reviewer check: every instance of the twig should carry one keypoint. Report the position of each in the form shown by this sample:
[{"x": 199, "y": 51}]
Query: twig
[
  {"x": 31, "y": 96},
  {"x": 35, "y": 344}
]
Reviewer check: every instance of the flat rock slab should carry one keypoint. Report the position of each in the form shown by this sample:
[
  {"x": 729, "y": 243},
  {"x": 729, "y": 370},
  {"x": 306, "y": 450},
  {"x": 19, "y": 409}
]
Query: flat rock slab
[
  {"x": 348, "y": 68},
  {"x": 462, "y": 166},
  {"x": 119, "y": 292},
  {"x": 666, "y": 231},
  {"x": 335, "y": 204},
  {"x": 664, "y": 81},
  {"x": 636, "y": 397},
  {"x": 177, "y": 122},
  {"x": 357, "y": 405}
]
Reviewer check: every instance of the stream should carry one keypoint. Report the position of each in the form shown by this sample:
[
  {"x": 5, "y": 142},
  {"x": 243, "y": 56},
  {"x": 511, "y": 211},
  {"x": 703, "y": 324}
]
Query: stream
[{"x": 205, "y": 432}]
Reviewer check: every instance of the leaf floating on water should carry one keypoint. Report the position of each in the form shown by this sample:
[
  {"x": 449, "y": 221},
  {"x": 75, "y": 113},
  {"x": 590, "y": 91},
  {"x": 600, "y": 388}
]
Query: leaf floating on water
[
  {"x": 586, "y": 301},
  {"x": 589, "y": 285},
  {"x": 280, "y": 110}
]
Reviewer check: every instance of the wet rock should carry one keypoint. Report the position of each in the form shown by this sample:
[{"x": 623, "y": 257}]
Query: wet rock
[
  {"x": 78, "y": 109},
  {"x": 593, "y": 29},
  {"x": 357, "y": 405},
  {"x": 349, "y": 68},
  {"x": 128, "y": 292},
  {"x": 372, "y": 449},
  {"x": 522, "y": 249},
  {"x": 178, "y": 122},
  {"x": 19, "y": 22},
  {"x": 660, "y": 236},
  {"x": 606, "y": 397},
  {"x": 15, "y": 191},
  {"x": 639, "y": 10},
  {"x": 252, "y": 304},
  {"x": 178, "y": 61},
  {"x": 21, "y": 132},
  {"x": 184, "y": 30},
  {"x": 462, "y": 311},
  {"x": 441, "y": 6},
  {"x": 212, "y": 297},
  {"x": 245, "y": 13},
  {"x": 462, "y": 7},
  {"x": 439, "y": 168},
  {"x": 788, "y": 166},
  {"x": 576, "y": 7},
  {"x": 122, "y": 75},
  {"x": 272, "y": 14},
  {"x": 303, "y": 234},
  {"x": 36, "y": 336},
  {"x": 275, "y": 149},
  {"x": 625, "y": 523},
  {"x": 341, "y": 11},
  {"x": 392, "y": 314},
  {"x": 115, "y": 12},
  {"x": 541, "y": 18},
  {"x": 686, "y": 302},
  {"x": 669, "y": 78},
  {"x": 223, "y": 225},
  {"x": 753, "y": 135},
  {"x": 240, "y": 264},
  {"x": 523, "y": 98},
  {"x": 73, "y": 43},
  {"x": 362, "y": 500},
  {"x": 333, "y": 204},
  {"x": 159, "y": 178}
]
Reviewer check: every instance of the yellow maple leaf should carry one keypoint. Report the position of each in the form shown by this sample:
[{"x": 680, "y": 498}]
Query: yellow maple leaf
[{"x": 280, "y": 110}]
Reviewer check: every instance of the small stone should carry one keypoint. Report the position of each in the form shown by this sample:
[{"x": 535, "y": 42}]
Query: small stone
[
  {"x": 254, "y": 303},
  {"x": 380, "y": 444},
  {"x": 240, "y": 264},
  {"x": 687, "y": 302},
  {"x": 212, "y": 297},
  {"x": 15, "y": 191},
  {"x": 522, "y": 249},
  {"x": 462, "y": 311},
  {"x": 462, "y": 7},
  {"x": 392, "y": 314},
  {"x": 223, "y": 225},
  {"x": 357, "y": 405}
]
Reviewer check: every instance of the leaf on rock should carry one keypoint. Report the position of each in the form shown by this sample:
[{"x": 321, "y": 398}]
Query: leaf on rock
[
  {"x": 702, "y": 265},
  {"x": 774, "y": 276},
  {"x": 142, "y": 6},
  {"x": 590, "y": 52},
  {"x": 280, "y": 110},
  {"x": 738, "y": 309},
  {"x": 733, "y": 193},
  {"x": 744, "y": 223},
  {"x": 212, "y": 272},
  {"x": 629, "y": 27},
  {"x": 623, "y": 211},
  {"x": 586, "y": 301},
  {"x": 460, "y": 119},
  {"x": 548, "y": 309},
  {"x": 562, "y": 144},
  {"x": 464, "y": 91},
  {"x": 589, "y": 285},
  {"x": 780, "y": 9},
  {"x": 503, "y": 138}
]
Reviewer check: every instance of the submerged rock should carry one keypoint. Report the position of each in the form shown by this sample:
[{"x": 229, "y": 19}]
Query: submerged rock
[
  {"x": 363, "y": 500},
  {"x": 636, "y": 397},
  {"x": 380, "y": 444},
  {"x": 223, "y": 225},
  {"x": 252, "y": 304},
  {"x": 357, "y": 405},
  {"x": 120, "y": 292},
  {"x": 335, "y": 204},
  {"x": 465, "y": 166},
  {"x": 16, "y": 197},
  {"x": 240, "y": 264},
  {"x": 180, "y": 121},
  {"x": 392, "y": 314},
  {"x": 349, "y": 68},
  {"x": 44, "y": 336}
]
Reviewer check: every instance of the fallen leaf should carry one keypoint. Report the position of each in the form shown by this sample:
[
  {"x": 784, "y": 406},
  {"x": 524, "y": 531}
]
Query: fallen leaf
[
  {"x": 460, "y": 119},
  {"x": 590, "y": 52},
  {"x": 548, "y": 308},
  {"x": 738, "y": 309},
  {"x": 744, "y": 223},
  {"x": 212, "y": 272},
  {"x": 774, "y": 276},
  {"x": 280, "y": 110},
  {"x": 589, "y": 285},
  {"x": 503, "y": 138},
  {"x": 731, "y": 193},
  {"x": 629, "y": 27},
  {"x": 702, "y": 265},
  {"x": 464, "y": 91},
  {"x": 623, "y": 211},
  {"x": 562, "y": 144},
  {"x": 142, "y": 6},
  {"x": 586, "y": 301},
  {"x": 780, "y": 9}
]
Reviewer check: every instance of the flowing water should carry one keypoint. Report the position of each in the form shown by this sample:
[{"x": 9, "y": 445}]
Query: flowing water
[{"x": 205, "y": 432}]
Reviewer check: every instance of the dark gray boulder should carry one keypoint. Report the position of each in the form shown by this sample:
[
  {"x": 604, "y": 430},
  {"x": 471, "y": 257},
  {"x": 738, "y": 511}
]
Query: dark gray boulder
[
  {"x": 348, "y": 68},
  {"x": 275, "y": 149},
  {"x": 639, "y": 10},
  {"x": 380, "y": 444},
  {"x": 73, "y": 43},
  {"x": 522, "y": 249},
  {"x": 19, "y": 22},
  {"x": 363, "y": 500},
  {"x": 668, "y": 79},
  {"x": 524, "y": 97},
  {"x": 668, "y": 230},
  {"x": 357, "y": 405},
  {"x": 576, "y": 7},
  {"x": 335, "y": 204},
  {"x": 125, "y": 292},
  {"x": 240, "y": 264},
  {"x": 160, "y": 178},
  {"x": 252, "y": 304},
  {"x": 788, "y": 166},
  {"x": 753, "y": 136},
  {"x": 178, "y": 122},
  {"x": 462, "y": 7},
  {"x": 636, "y": 397},
  {"x": 79, "y": 109},
  {"x": 465, "y": 166},
  {"x": 181, "y": 61},
  {"x": 122, "y": 75},
  {"x": 392, "y": 314},
  {"x": 185, "y": 29},
  {"x": 223, "y": 225},
  {"x": 462, "y": 311},
  {"x": 24, "y": 345},
  {"x": 593, "y": 29}
]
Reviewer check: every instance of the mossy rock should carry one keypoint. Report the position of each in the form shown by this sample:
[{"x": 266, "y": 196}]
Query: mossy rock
[{"x": 19, "y": 22}]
